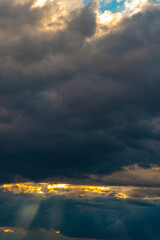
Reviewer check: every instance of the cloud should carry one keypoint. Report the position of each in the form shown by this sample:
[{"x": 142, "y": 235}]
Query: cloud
[
  {"x": 76, "y": 101},
  {"x": 79, "y": 120},
  {"x": 100, "y": 218},
  {"x": 41, "y": 191},
  {"x": 131, "y": 175}
]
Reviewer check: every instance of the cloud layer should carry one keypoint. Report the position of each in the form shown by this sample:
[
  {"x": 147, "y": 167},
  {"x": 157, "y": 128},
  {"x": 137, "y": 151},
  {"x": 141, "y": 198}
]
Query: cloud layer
[
  {"x": 79, "y": 120},
  {"x": 58, "y": 217},
  {"x": 78, "y": 95}
]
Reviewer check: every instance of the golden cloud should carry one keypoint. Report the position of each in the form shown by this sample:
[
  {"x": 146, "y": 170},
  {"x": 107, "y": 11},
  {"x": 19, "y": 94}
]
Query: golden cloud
[{"x": 81, "y": 191}]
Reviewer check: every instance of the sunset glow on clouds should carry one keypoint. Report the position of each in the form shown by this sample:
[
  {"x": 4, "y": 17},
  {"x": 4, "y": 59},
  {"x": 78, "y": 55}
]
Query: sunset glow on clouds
[{"x": 138, "y": 183}]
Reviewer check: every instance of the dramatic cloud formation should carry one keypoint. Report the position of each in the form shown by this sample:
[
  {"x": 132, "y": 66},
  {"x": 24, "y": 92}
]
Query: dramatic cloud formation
[
  {"x": 79, "y": 89},
  {"x": 79, "y": 119}
]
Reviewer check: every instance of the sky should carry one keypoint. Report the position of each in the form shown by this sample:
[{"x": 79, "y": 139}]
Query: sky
[{"x": 79, "y": 119}]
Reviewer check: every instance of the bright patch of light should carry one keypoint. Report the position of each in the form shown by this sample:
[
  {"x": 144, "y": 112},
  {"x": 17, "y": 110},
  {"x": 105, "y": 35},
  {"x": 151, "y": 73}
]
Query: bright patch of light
[
  {"x": 8, "y": 230},
  {"x": 13, "y": 230},
  {"x": 39, "y": 3},
  {"x": 106, "y": 17},
  {"x": 57, "y": 186},
  {"x": 134, "y": 6}
]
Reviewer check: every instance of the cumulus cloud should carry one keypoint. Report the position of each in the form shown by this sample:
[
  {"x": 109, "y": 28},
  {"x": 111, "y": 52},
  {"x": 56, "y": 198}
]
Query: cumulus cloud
[
  {"x": 78, "y": 95},
  {"x": 79, "y": 104}
]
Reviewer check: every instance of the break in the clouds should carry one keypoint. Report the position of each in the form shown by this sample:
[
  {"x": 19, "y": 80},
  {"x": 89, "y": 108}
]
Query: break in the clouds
[{"x": 79, "y": 88}]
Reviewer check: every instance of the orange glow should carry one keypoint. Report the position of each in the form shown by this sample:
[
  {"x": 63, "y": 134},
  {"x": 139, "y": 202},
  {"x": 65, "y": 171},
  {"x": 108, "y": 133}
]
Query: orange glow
[
  {"x": 58, "y": 186},
  {"x": 23, "y": 188},
  {"x": 7, "y": 230},
  {"x": 68, "y": 190},
  {"x": 13, "y": 230},
  {"x": 47, "y": 190},
  {"x": 22, "y": 231}
]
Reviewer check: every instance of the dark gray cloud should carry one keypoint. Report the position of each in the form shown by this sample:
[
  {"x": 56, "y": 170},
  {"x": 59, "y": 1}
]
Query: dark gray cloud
[{"x": 72, "y": 103}]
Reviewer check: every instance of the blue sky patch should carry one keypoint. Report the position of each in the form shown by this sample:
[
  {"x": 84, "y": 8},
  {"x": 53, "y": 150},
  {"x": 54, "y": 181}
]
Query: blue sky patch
[{"x": 110, "y": 5}]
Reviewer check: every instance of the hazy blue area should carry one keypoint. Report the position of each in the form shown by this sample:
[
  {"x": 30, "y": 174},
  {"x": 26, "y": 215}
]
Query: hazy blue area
[{"x": 100, "y": 218}]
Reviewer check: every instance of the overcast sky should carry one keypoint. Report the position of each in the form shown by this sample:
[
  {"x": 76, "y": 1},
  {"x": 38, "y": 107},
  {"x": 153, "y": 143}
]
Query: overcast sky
[{"x": 80, "y": 105}]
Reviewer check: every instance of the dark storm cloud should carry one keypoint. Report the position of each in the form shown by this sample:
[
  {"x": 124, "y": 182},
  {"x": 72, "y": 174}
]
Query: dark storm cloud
[
  {"x": 83, "y": 21},
  {"x": 72, "y": 103}
]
